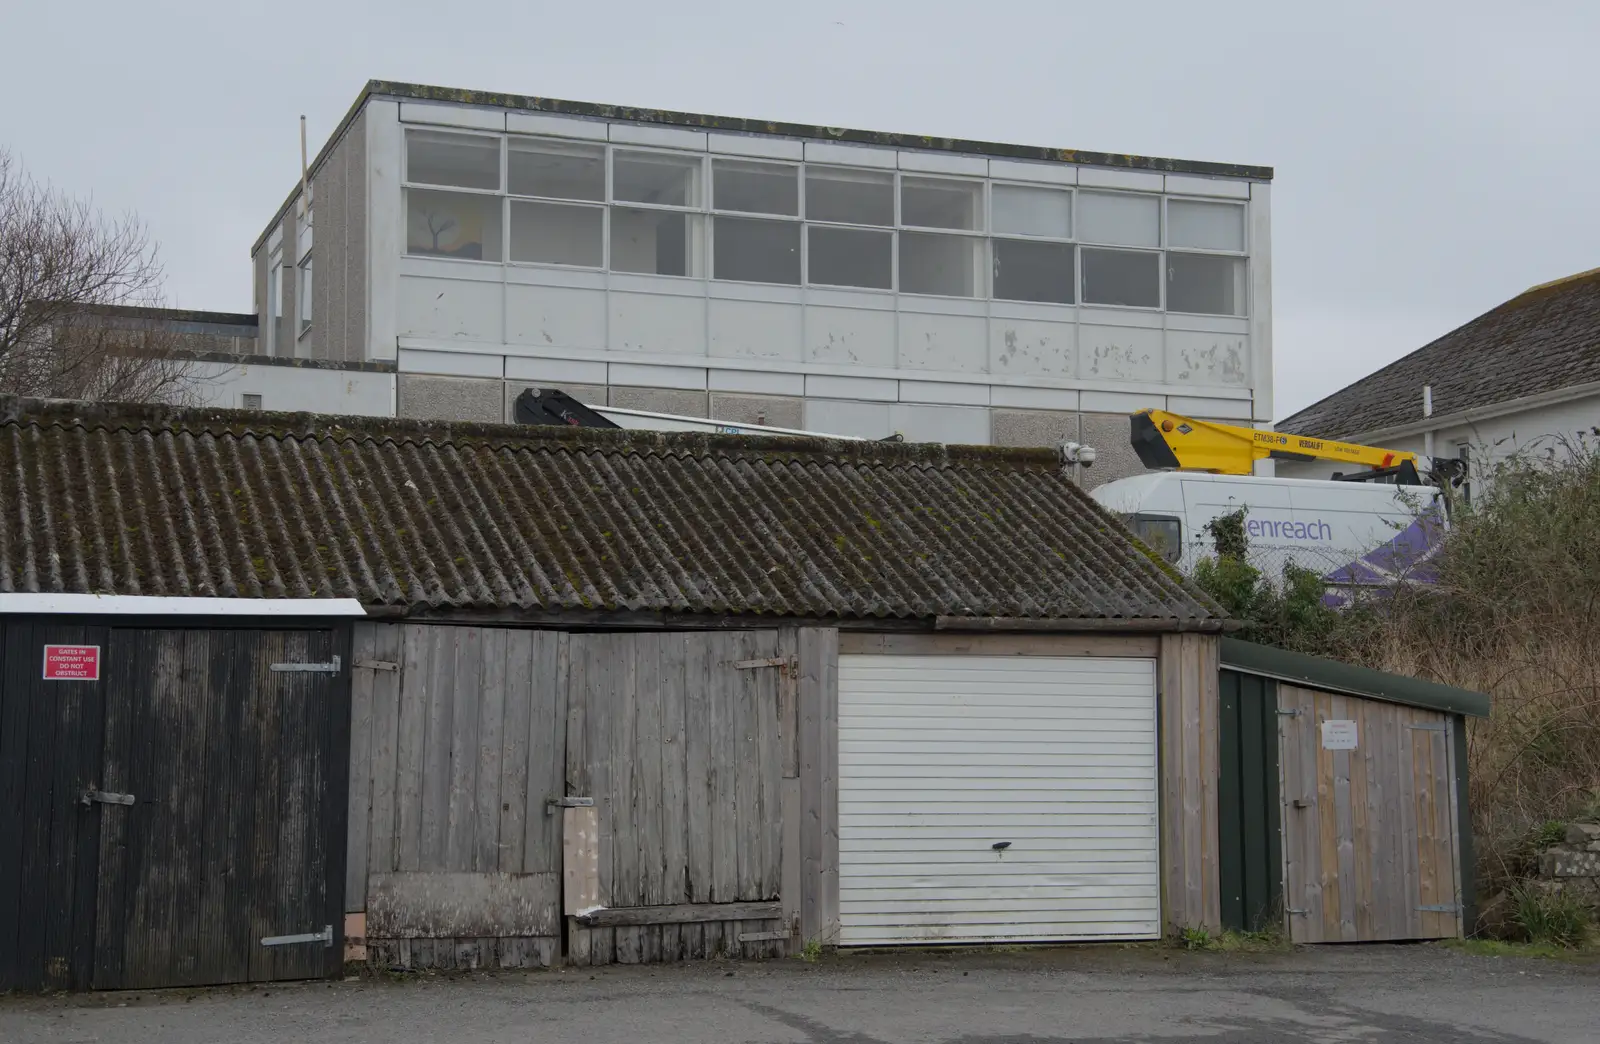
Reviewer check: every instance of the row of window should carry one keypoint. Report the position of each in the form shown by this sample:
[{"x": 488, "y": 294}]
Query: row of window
[{"x": 628, "y": 210}]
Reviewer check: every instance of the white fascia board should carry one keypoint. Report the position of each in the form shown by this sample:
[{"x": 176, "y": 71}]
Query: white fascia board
[
  {"x": 161, "y": 605},
  {"x": 1440, "y": 421}
]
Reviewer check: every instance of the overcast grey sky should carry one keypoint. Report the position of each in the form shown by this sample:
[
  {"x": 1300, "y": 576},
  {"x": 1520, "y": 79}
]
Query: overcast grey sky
[{"x": 1432, "y": 159}]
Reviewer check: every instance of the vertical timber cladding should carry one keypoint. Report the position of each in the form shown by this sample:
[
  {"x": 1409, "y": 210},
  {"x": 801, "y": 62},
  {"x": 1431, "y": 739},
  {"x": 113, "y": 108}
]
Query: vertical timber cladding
[
  {"x": 1370, "y": 819},
  {"x": 50, "y": 754},
  {"x": 677, "y": 739},
  {"x": 458, "y": 748},
  {"x": 1248, "y": 806},
  {"x": 231, "y": 744},
  {"x": 995, "y": 790}
]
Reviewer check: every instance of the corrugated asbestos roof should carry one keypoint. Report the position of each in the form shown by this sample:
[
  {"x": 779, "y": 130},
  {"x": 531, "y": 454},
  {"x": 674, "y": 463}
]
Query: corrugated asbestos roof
[
  {"x": 143, "y": 500},
  {"x": 1542, "y": 340}
]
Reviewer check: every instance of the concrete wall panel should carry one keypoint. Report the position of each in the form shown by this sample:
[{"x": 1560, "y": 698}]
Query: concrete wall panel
[
  {"x": 555, "y": 316},
  {"x": 451, "y": 398}
]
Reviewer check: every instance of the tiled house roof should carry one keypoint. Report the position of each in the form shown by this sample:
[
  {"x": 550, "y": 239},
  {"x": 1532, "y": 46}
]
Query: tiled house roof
[
  {"x": 1543, "y": 340},
  {"x": 145, "y": 500}
]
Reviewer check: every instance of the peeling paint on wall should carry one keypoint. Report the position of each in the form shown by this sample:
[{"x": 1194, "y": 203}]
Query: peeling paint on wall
[
  {"x": 1220, "y": 363},
  {"x": 1131, "y": 354},
  {"x": 1031, "y": 347}
]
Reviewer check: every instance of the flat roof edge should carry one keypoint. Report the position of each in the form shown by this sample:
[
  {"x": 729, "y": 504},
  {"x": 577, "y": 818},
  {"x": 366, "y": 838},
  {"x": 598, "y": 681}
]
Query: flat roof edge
[{"x": 1315, "y": 672}]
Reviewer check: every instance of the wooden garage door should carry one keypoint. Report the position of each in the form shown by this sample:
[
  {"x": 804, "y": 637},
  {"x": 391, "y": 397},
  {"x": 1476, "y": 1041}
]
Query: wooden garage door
[
  {"x": 1369, "y": 838},
  {"x": 996, "y": 799}
]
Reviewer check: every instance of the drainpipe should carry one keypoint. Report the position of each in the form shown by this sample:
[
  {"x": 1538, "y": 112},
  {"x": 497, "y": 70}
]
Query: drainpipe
[{"x": 1427, "y": 411}]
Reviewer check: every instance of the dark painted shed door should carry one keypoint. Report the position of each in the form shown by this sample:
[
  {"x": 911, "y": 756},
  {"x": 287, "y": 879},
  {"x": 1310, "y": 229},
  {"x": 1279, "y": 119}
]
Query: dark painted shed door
[{"x": 234, "y": 832}]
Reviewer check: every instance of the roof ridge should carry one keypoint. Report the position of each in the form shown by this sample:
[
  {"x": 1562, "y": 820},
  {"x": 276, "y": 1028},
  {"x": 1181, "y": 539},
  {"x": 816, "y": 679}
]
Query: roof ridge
[{"x": 401, "y": 431}]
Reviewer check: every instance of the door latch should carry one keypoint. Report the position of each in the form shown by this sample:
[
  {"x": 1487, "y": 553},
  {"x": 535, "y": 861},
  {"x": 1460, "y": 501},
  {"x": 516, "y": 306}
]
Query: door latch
[
  {"x": 325, "y": 937},
  {"x": 309, "y": 668},
  {"x": 104, "y": 797},
  {"x": 551, "y": 805}
]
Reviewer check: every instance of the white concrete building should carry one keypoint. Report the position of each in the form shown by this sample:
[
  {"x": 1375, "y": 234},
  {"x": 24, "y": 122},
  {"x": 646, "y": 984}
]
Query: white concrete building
[
  {"x": 805, "y": 277},
  {"x": 1523, "y": 378}
]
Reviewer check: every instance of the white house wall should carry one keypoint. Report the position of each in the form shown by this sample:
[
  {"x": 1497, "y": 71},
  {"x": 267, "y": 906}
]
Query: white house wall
[{"x": 361, "y": 393}]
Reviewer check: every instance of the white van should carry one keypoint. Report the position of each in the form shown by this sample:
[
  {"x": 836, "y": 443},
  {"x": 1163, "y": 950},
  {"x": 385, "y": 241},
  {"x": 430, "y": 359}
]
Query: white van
[{"x": 1351, "y": 533}]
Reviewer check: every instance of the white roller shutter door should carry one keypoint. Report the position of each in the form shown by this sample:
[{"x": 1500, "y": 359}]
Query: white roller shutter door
[{"x": 944, "y": 758}]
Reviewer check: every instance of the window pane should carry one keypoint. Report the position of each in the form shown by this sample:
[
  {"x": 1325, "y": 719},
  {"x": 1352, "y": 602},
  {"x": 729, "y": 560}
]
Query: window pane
[
  {"x": 656, "y": 242},
  {"x": 556, "y": 169},
  {"x": 1033, "y": 211},
  {"x": 1121, "y": 277},
  {"x": 850, "y": 257},
  {"x": 463, "y": 160},
  {"x": 1025, "y": 271},
  {"x": 554, "y": 234},
  {"x": 853, "y": 197},
  {"x": 1206, "y": 283},
  {"x": 756, "y": 251},
  {"x": 453, "y": 224},
  {"x": 1209, "y": 226},
  {"x": 305, "y": 294},
  {"x": 277, "y": 332},
  {"x": 951, "y": 266},
  {"x": 939, "y": 203},
  {"x": 656, "y": 177},
  {"x": 756, "y": 188},
  {"x": 1105, "y": 217}
]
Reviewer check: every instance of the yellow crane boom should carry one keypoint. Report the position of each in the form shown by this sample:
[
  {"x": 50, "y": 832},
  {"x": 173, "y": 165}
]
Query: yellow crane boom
[{"x": 1167, "y": 440}]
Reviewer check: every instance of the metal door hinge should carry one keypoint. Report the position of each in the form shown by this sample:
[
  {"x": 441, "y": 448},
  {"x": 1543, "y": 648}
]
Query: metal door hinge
[
  {"x": 375, "y": 665},
  {"x": 1435, "y": 726},
  {"x": 551, "y": 805},
  {"x": 104, "y": 797},
  {"x": 309, "y": 668},
  {"x": 786, "y": 664},
  {"x": 325, "y": 937},
  {"x": 1441, "y": 908}
]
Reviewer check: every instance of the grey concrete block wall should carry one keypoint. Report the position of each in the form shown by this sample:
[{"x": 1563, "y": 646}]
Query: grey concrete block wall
[
  {"x": 451, "y": 398},
  {"x": 338, "y": 189},
  {"x": 1114, "y": 457},
  {"x": 1033, "y": 427},
  {"x": 588, "y": 394},
  {"x": 661, "y": 400},
  {"x": 355, "y": 237},
  {"x": 777, "y": 411}
]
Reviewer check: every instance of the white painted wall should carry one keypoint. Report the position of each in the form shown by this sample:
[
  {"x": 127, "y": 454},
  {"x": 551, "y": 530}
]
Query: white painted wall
[{"x": 299, "y": 389}]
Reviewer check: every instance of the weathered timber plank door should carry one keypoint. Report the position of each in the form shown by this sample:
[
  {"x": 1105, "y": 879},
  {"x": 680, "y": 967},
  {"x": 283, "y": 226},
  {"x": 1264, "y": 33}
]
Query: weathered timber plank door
[
  {"x": 458, "y": 752},
  {"x": 1370, "y": 845},
  {"x": 677, "y": 739},
  {"x": 50, "y": 737},
  {"x": 232, "y": 744}
]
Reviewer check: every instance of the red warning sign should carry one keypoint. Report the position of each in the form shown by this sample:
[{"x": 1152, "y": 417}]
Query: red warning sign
[{"x": 72, "y": 663}]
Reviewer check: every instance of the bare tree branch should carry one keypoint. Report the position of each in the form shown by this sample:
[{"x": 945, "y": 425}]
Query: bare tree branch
[{"x": 63, "y": 264}]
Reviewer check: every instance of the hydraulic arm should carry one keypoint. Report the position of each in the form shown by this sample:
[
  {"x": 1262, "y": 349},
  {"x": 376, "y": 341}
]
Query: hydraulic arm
[{"x": 1167, "y": 440}]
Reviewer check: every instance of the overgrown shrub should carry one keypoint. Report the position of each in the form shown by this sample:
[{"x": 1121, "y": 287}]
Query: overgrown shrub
[
  {"x": 1551, "y": 918},
  {"x": 1514, "y": 612}
]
